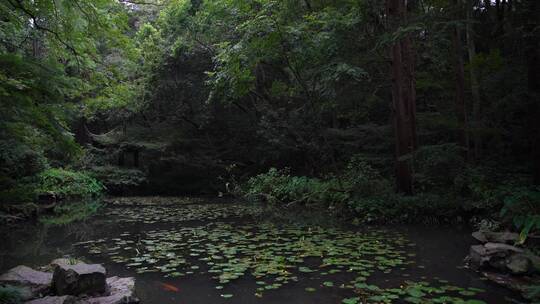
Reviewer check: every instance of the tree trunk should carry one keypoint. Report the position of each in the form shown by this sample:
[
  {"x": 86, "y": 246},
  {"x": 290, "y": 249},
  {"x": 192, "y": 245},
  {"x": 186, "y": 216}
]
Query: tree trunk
[
  {"x": 81, "y": 132},
  {"x": 532, "y": 53},
  {"x": 461, "y": 109},
  {"x": 403, "y": 98},
  {"x": 475, "y": 86}
]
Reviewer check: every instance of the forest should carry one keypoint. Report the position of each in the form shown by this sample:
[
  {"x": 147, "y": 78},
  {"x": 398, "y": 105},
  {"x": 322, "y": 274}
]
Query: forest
[{"x": 269, "y": 151}]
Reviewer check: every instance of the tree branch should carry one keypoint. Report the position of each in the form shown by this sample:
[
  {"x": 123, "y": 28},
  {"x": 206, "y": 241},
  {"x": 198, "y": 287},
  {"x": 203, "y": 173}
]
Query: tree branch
[{"x": 19, "y": 5}]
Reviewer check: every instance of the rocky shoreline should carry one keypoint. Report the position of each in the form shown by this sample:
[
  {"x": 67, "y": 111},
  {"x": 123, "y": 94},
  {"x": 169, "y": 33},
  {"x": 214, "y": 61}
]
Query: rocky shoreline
[
  {"x": 69, "y": 281},
  {"x": 499, "y": 258}
]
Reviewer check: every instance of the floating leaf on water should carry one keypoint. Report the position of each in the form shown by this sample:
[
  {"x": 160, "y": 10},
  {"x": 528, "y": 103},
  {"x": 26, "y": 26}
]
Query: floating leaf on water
[
  {"x": 328, "y": 284},
  {"x": 351, "y": 301}
]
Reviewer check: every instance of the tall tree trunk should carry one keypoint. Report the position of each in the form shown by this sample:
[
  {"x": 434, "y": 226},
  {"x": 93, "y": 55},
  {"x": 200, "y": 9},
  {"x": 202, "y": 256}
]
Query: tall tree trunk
[
  {"x": 461, "y": 109},
  {"x": 532, "y": 53},
  {"x": 475, "y": 86},
  {"x": 403, "y": 98}
]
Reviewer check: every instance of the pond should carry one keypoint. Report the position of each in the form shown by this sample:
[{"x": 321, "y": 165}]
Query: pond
[{"x": 199, "y": 251}]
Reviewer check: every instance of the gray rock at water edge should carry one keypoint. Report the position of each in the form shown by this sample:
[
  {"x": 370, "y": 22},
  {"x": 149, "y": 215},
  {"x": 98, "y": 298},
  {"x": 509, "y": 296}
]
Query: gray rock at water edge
[
  {"x": 478, "y": 256},
  {"x": 491, "y": 254},
  {"x": 121, "y": 291},
  {"x": 500, "y": 248},
  {"x": 503, "y": 257},
  {"x": 495, "y": 237},
  {"x": 79, "y": 279},
  {"x": 33, "y": 283},
  {"x": 519, "y": 284},
  {"x": 519, "y": 264},
  {"x": 54, "y": 300}
]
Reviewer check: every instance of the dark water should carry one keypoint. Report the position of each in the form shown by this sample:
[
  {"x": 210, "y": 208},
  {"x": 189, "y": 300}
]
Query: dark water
[{"x": 435, "y": 254}]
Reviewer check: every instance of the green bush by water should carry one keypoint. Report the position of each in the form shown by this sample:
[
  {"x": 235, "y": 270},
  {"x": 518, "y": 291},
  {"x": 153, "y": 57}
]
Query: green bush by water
[
  {"x": 76, "y": 194},
  {"x": 68, "y": 184},
  {"x": 10, "y": 295},
  {"x": 444, "y": 194},
  {"x": 278, "y": 186},
  {"x": 522, "y": 207}
]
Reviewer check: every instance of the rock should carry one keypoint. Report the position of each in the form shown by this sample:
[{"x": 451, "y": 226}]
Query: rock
[
  {"x": 496, "y": 237},
  {"x": 54, "y": 300},
  {"x": 498, "y": 256},
  {"x": 503, "y": 237},
  {"x": 33, "y": 283},
  {"x": 535, "y": 260},
  {"x": 519, "y": 284},
  {"x": 78, "y": 279},
  {"x": 500, "y": 248},
  {"x": 480, "y": 236},
  {"x": 519, "y": 264},
  {"x": 503, "y": 257},
  {"x": 121, "y": 291},
  {"x": 478, "y": 256}
]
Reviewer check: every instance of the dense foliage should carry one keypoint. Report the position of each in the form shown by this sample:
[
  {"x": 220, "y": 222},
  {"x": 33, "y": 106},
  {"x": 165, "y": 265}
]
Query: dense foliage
[
  {"x": 68, "y": 184},
  {"x": 204, "y": 96}
]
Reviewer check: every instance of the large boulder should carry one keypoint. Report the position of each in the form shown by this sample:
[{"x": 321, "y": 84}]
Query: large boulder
[
  {"x": 79, "y": 279},
  {"x": 519, "y": 264},
  {"x": 501, "y": 249},
  {"x": 491, "y": 254},
  {"x": 33, "y": 283},
  {"x": 121, "y": 291},
  {"x": 478, "y": 256},
  {"x": 503, "y": 257},
  {"x": 54, "y": 300}
]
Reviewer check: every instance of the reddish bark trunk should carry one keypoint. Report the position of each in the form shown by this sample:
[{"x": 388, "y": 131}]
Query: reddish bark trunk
[
  {"x": 461, "y": 110},
  {"x": 403, "y": 98},
  {"x": 532, "y": 53}
]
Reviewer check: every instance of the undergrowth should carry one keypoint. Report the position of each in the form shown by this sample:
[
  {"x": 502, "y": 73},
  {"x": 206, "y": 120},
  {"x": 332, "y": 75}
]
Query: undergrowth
[
  {"x": 10, "y": 295},
  {"x": 364, "y": 195}
]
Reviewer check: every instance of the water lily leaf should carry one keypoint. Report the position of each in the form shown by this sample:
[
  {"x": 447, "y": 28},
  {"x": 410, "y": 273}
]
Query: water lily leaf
[{"x": 351, "y": 301}]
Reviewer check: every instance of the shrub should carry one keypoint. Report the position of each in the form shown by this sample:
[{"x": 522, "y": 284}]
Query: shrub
[
  {"x": 358, "y": 181},
  {"x": 278, "y": 186},
  {"x": 437, "y": 166},
  {"x": 19, "y": 165},
  {"x": 119, "y": 180},
  {"x": 522, "y": 207},
  {"x": 18, "y": 161},
  {"x": 23, "y": 191},
  {"x": 10, "y": 295},
  {"x": 362, "y": 180},
  {"x": 67, "y": 184}
]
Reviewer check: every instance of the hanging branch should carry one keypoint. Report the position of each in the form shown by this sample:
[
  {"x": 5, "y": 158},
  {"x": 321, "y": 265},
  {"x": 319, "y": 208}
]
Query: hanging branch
[{"x": 19, "y": 5}]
